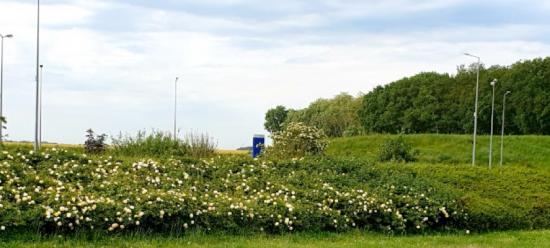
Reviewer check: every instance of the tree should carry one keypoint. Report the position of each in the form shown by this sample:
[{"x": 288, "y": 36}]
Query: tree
[
  {"x": 440, "y": 103},
  {"x": 337, "y": 116},
  {"x": 274, "y": 119}
]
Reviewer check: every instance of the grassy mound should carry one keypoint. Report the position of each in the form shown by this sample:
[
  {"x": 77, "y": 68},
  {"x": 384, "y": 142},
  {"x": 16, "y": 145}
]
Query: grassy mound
[{"x": 452, "y": 149}]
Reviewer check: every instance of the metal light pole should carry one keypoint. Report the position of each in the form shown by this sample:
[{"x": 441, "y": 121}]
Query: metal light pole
[
  {"x": 2, "y": 79},
  {"x": 175, "y": 106},
  {"x": 476, "y": 107},
  {"x": 502, "y": 130},
  {"x": 493, "y": 83},
  {"x": 36, "y": 128},
  {"x": 40, "y": 100}
]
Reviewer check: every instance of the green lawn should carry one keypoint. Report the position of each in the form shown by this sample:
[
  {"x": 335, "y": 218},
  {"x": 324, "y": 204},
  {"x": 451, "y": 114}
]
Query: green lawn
[
  {"x": 452, "y": 149},
  {"x": 353, "y": 239}
]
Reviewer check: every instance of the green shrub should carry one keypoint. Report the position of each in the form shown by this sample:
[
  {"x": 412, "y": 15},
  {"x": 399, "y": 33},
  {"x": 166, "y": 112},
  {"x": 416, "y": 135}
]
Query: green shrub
[
  {"x": 353, "y": 131},
  {"x": 297, "y": 140},
  {"x": 158, "y": 144},
  {"x": 66, "y": 192},
  {"x": 398, "y": 150},
  {"x": 60, "y": 191},
  {"x": 199, "y": 145},
  {"x": 94, "y": 144}
]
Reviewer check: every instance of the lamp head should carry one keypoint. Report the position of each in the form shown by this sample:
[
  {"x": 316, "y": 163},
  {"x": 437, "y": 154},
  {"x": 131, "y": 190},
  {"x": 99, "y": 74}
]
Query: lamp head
[
  {"x": 9, "y": 36},
  {"x": 494, "y": 82},
  {"x": 508, "y": 92}
]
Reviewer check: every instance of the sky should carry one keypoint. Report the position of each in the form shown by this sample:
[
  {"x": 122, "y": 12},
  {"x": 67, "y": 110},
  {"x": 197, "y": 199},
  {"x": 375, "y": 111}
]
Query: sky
[{"x": 111, "y": 65}]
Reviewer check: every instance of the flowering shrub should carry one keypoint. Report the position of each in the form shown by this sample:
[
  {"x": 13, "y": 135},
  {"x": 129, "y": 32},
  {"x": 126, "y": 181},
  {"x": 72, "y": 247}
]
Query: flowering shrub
[
  {"x": 64, "y": 192},
  {"x": 298, "y": 140}
]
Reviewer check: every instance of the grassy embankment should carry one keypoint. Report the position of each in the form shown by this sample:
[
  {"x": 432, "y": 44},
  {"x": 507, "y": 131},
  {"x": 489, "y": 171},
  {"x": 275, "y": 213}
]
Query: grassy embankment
[{"x": 453, "y": 149}]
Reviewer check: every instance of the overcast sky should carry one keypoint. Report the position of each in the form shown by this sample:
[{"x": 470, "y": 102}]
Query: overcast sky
[{"x": 111, "y": 65}]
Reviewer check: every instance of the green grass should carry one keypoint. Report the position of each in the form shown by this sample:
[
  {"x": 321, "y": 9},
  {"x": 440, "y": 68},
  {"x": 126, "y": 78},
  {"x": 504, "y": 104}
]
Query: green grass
[
  {"x": 452, "y": 149},
  {"x": 352, "y": 239}
]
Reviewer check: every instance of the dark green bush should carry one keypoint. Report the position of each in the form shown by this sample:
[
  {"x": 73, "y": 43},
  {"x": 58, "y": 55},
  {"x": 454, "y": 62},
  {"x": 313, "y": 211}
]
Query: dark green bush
[
  {"x": 94, "y": 144},
  {"x": 397, "y": 149}
]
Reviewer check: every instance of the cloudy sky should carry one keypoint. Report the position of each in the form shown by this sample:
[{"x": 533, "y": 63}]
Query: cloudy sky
[{"x": 111, "y": 65}]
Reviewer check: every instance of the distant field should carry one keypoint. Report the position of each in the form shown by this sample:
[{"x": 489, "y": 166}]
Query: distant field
[
  {"x": 232, "y": 152},
  {"x": 357, "y": 239},
  {"x": 452, "y": 149}
]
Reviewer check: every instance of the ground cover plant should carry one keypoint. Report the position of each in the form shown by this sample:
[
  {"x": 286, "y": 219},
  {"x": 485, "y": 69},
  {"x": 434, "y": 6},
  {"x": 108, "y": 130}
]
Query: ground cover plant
[{"x": 61, "y": 191}]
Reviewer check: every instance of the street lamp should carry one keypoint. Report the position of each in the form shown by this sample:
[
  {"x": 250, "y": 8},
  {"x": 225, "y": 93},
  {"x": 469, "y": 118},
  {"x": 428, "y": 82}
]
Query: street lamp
[
  {"x": 493, "y": 84},
  {"x": 36, "y": 123},
  {"x": 502, "y": 130},
  {"x": 2, "y": 78},
  {"x": 476, "y": 107},
  {"x": 175, "y": 106},
  {"x": 40, "y": 100}
]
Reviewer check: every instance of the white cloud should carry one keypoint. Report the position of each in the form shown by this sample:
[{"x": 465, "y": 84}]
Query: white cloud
[{"x": 123, "y": 81}]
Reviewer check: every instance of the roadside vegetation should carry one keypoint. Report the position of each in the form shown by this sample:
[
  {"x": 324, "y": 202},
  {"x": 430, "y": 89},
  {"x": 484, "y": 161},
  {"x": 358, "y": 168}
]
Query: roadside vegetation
[
  {"x": 60, "y": 191},
  {"x": 431, "y": 102}
]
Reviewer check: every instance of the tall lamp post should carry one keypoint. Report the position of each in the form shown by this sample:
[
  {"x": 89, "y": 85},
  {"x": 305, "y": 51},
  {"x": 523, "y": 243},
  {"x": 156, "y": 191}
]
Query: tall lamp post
[
  {"x": 2, "y": 79},
  {"x": 476, "y": 107},
  {"x": 502, "y": 130},
  {"x": 40, "y": 100},
  {"x": 36, "y": 128},
  {"x": 175, "y": 107},
  {"x": 493, "y": 84}
]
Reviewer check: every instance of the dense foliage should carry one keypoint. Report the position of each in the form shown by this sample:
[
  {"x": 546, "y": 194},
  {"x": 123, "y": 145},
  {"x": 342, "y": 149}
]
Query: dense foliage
[
  {"x": 158, "y": 144},
  {"x": 274, "y": 119},
  {"x": 297, "y": 140},
  {"x": 61, "y": 191},
  {"x": 335, "y": 117},
  {"x": 440, "y": 103},
  {"x": 94, "y": 143},
  {"x": 433, "y": 102},
  {"x": 397, "y": 150}
]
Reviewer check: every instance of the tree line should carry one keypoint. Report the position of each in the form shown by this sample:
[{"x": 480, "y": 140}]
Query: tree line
[{"x": 431, "y": 102}]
